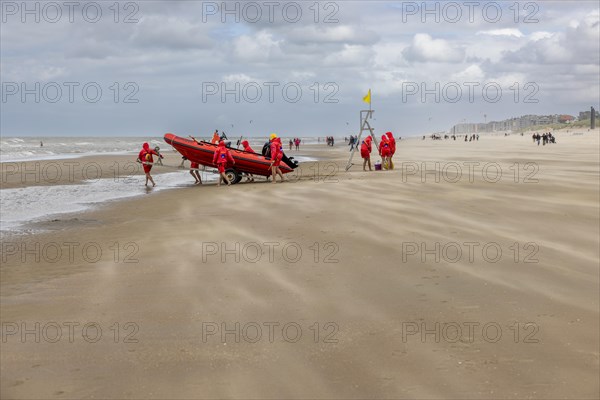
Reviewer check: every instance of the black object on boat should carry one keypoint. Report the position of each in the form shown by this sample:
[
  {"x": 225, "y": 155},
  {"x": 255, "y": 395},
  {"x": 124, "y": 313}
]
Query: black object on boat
[{"x": 289, "y": 161}]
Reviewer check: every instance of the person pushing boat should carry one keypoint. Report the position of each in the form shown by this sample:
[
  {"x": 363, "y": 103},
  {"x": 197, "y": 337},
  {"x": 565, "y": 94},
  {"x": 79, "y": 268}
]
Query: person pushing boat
[
  {"x": 145, "y": 157},
  {"x": 248, "y": 149},
  {"x": 221, "y": 157},
  {"x": 276, "y": 156},
  {"x": 194, "y": 166}
]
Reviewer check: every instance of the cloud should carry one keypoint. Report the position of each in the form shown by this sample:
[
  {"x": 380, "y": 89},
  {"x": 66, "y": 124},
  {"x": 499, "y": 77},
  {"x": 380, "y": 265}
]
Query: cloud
[
  {"x": 34, "y": 73},
  {"x": 260, "y": 47},
  {"x": 578, "y": 44},
  {"x": 535, "y": 36},
  {"x": 340, "y": 34},
  {"x": 93, "y": 49},
  {"x": 169, "y": 53},
  {"x": 472, "y": 73},
  {"x": 173, "y": 33},
  {"x": 350, "y": 56},
  {"x": 502, "y": 32},
  {"x": 239, "y": 78},
  {"x": 426, "y": 49}
]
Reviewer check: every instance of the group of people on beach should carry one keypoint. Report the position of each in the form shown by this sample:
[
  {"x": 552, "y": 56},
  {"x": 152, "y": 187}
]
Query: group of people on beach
[
  {"x": 352, "y": 142},
  {"x": 295, "y": 142},
  {"x": 329, "y": 140},
  {"x": 387, "y": 149},
  {"x": 222, "y": 158},
  {"x": 547, "y": 137},
  {"x": 468, "y": 138},
  {"x": 273, "y": 150}
]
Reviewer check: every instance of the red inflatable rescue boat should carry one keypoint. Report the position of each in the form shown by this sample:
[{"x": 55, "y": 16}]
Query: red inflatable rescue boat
[{"x": 251, "y": 163}]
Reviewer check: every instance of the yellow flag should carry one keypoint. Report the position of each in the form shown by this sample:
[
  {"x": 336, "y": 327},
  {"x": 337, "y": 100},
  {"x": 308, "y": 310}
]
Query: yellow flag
[{"x": 367, "y": 98}]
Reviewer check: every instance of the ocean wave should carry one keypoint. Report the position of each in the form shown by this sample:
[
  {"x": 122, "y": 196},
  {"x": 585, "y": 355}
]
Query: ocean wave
[{"x": 33, "y": 203}]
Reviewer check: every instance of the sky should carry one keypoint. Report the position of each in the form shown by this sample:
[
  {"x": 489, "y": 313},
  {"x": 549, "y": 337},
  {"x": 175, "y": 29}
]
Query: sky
[{"x": 144, "y": 68}]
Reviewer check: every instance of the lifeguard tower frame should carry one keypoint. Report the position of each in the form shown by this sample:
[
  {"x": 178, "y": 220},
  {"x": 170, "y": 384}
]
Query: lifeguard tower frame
[{"x": 365, "y": 116}]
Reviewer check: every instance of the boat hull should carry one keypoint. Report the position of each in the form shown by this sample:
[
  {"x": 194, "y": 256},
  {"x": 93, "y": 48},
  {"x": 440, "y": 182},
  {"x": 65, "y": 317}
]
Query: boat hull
[{"x": 203, "y": 152}]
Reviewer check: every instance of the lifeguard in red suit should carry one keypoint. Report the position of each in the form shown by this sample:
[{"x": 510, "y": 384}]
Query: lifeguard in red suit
[{"x": 221, "y": 158}]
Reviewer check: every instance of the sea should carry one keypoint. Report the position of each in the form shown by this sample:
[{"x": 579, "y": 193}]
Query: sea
[{"x": 25, "y": 205}]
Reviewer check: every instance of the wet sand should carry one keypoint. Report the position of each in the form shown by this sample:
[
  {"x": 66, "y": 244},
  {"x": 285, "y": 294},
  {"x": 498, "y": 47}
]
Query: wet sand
[{"x": 479, "y": 280}]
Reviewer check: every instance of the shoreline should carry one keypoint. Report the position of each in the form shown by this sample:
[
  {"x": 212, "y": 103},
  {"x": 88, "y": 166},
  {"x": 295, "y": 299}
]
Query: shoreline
[
  {"x": 325, "y": 163},
  {"x": 106, "y": 170}
]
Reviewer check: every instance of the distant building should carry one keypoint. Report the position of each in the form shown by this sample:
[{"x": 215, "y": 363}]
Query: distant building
[
  {"x": 566, "y": 119},
  {"x": 512, "y": 124},
  {"x": 584, "y": 115}
]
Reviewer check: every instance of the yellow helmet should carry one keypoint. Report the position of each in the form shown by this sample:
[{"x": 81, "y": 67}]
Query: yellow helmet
[{"x": 273, "y": 136}]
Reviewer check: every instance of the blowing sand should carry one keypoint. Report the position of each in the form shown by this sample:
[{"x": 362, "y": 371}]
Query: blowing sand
[{"x": 484, "y": 284}]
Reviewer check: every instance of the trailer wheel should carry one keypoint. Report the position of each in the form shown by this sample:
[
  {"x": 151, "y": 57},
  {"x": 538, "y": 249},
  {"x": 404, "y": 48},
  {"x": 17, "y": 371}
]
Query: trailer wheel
[
  {"x": 233, "y": 176},
  {"x": 238, "y": 177}
]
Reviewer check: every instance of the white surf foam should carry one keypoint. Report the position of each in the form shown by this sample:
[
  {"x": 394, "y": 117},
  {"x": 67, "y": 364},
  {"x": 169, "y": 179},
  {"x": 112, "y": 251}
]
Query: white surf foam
[{"x": 33, "y": 203}]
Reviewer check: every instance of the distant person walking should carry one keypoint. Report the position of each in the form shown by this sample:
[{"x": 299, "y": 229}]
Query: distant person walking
[{"x": 352, "y": 142}]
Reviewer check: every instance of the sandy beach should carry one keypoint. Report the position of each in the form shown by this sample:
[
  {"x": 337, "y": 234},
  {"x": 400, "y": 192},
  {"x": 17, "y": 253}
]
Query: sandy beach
[{"x": 469, "y": 271}]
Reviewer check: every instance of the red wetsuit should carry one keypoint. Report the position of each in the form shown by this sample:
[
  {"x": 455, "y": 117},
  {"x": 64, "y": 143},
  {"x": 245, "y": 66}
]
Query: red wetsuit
[
  {"x": 145, "y": 157},
  {"x": 194, "y": 165},
  {"x": 222, "y": 156},
  {"x": 247, "y": 147},
  {"x": 384, "y": 147},
  {"x": 392, "y": 143},
  {"x": 365, "y": 148},
  {"x": 276, "y": 151}
]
